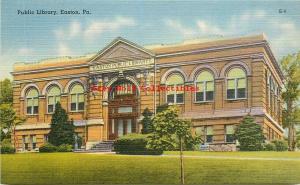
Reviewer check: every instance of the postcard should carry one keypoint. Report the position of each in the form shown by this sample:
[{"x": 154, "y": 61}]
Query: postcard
[{"x": 150, "y": 92}]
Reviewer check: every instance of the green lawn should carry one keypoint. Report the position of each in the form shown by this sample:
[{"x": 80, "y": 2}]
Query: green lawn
[{"x": 75, "y": 168}]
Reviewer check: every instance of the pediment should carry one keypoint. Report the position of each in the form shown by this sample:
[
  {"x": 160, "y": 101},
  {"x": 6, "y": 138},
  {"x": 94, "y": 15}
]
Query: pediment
[{"x": 121, "y": 48}]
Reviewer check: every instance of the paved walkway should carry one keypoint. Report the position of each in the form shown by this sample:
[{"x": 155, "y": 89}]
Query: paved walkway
[
  {"x": 206, "y": 157},
  {"x": 237, "y": 157}
]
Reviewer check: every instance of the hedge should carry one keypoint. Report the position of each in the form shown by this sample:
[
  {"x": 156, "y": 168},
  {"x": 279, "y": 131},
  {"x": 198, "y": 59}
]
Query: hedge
[
  {"x": 47, "y": 148},
  {"x": 134, "y": 144},
  {"x": 280, "y": 145},
  {"x": 64, "y": 148},
  {"x": 269, "y": 147},
  {"x": 7, "y": 149}
]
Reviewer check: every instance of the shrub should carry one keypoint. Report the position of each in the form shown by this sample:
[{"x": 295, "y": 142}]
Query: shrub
[
  {"x": 250, "y": 135},
  {"x": 134, "y": 144},
  {"x": 280, "y": 145},
  {"x": 48, "y": 148},
  {"x": 269, "y": 147},
  {"x": 7, "y": 149},
  {"x": 64, "y": 148}
]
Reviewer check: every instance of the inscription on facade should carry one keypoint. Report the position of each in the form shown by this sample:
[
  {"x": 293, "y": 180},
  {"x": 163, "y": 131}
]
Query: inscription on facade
[{"x": 123, "y": 65}]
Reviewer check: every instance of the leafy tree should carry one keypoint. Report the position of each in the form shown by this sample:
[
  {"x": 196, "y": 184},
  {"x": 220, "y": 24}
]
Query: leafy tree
[
  {"x": 170, "y": 133},
  {"x": 250, "y": 135},
  {"x": 8, "y": 121},
  {"x": 62, "y": 130},
  {"x": 290, "y": 66},
  {"x": 147, "y": 121},
  {"x": 6, "y": 91}
]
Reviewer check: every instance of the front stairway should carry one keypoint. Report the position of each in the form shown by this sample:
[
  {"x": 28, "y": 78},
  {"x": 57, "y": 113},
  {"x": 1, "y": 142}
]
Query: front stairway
[{"x": 103, "y": 146}]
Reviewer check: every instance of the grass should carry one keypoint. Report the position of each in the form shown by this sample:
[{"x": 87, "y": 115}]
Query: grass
[{"x": 74, "y": 168}]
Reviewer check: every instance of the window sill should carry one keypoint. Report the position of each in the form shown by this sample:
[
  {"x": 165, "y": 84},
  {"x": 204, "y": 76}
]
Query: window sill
[
  {"x": 79, "y": 111},
  {"x": 203, "y": 102},
  {"x": 31, "y": 115},
  {"x": 237, "y": 99},
  {"x": 175, "y": 103}
]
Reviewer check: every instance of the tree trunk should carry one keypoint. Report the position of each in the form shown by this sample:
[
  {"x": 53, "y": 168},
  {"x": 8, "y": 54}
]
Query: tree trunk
[
  {"x": 290, "y": 126},
  {"x": 181, "y": 162}
]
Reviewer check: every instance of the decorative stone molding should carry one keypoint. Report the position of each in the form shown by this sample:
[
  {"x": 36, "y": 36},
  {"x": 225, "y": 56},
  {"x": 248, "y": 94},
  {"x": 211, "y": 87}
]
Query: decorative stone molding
[
  {"x": 45, "y": 89},
  {"x": 71, "y": 82},
  {"x": 95, "y": 122},
  {"x": 201, "y": 68},
  {"x": 170, "y": 71},
  {"x": 112, "y": 81},
  {"x": 230, "y": 65},
  {"x": 23, "y": 92},
  {"x": 33, "y": 126}
]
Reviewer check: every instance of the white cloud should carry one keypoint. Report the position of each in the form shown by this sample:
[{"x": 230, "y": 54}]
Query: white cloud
[
  {"x": 176, "y": 25},
  {"x": 206, "y": 28},
  {"x": 64, "y": 50},
  {"x": 87, "y": 33},
  {"x": 96, "y": 28},
  {"x": 282, "y": 32},
  {"x": 25, "y": 52}
]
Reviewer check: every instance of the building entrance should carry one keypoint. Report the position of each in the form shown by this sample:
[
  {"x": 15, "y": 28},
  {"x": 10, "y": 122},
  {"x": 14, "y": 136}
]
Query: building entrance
[{"x": 122, "y": 109}]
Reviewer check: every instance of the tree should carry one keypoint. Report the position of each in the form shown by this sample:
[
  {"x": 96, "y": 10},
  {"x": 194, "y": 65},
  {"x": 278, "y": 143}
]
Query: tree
[
  {"x": 9, "y": 121},
  {"x": 250, "y": 135},
  {"x": 6, "y": 92},
  {"x": 147, "y": 121},
  {"x": 162, "y": 107},
  {"x": 170, "y": 133},
  {"x": 62, "y": 130},
  {"x": 290, "y": 66}
]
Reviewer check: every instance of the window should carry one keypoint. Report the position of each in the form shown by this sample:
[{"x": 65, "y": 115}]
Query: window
[
  {"x": 25, "y": 142},
  {"x": 53, "y": 96},
  {"x": 77, "y": 98},
  {"x": 175, "y": 89},
  {"x": 209, "y": 134},
  {"x": 204, "y": 87},
  {"x": 229, "y": 137},
  {"x": 33, "y": 141},
  {"x": 124, "y": 109},
  {"x": 45, "y": 138},
  {"x": 236, "y": 84},
  {"x": 206, "y": 133},
  {"x": 32, "y": 101}
]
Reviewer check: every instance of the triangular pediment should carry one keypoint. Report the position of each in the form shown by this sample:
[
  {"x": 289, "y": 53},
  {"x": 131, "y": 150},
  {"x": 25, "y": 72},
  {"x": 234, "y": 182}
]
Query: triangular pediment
[{"x": 120, "y": 49}]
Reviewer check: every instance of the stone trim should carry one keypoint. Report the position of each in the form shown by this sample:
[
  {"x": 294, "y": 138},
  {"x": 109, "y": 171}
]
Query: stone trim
[
  {"x": 95, "y": 122},
  {"x": 170, "y": 71},
  {"x": 24, "y": 89},
  {"x": 233, "y": 64},
  {"x": 202, "y": 67},
  {"x": 45, "y": 89}
]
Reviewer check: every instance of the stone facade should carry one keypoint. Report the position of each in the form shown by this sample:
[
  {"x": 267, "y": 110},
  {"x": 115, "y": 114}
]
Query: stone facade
[{"x": 104, "y": 115}]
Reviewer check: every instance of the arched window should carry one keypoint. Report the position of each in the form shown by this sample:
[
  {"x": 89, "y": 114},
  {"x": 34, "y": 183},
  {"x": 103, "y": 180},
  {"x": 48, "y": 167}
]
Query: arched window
[
  {"x": 236, "y": 84},
  {"x": 204, "y": 87},
  {"x": 175, "y": 89},
  {"x": 32, "y": 101},
  {"x": 77, "y": 98},
  {"x": 53, "y": 96}
]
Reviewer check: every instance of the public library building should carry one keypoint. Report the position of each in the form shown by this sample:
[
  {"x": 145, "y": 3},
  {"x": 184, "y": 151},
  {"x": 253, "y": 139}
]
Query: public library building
[{"x": 106, "y": 93}]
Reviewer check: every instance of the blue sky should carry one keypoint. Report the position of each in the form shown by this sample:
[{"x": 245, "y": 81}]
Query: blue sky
[{"x": 28, "y": 38}]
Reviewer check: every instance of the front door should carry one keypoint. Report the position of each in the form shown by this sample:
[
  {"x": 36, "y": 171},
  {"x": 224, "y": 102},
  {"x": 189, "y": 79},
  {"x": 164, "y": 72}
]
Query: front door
[
  {"x": 121, "y": 126},
  {"x": 122, "y": 113}
]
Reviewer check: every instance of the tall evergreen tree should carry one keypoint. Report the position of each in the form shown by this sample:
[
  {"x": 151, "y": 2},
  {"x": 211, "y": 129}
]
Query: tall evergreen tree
[
  {"x": 147, "y": 121},
  {"x": 62, "y": 130},
  {"x": 250, "y": 135}
]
